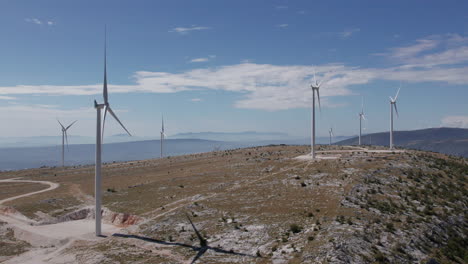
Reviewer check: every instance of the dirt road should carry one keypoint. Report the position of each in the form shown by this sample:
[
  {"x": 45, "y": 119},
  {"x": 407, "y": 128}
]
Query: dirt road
[{"x": 52, "y": 186}]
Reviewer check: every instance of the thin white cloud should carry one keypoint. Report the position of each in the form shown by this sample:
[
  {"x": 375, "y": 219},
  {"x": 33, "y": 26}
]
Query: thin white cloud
[
  {"x": 196, "y": 100},
  {"x": 267, "y": 86},
  {"x": 199, "y": 60},
  {"x": 281, "y": 7},
  {"x": 185, "y": 30},
  {"x": 449, "y": 49},
  {"x": 349, "y": 32},
  {"x": 447, "y": 57},
  {"x": 39, "y": 22},
  {"x": 456, "y": 39},
  {"x": 33, "y": 20},
  {"x": 455, "y": 121},
  {"x": 43, "y": 119},
  {"x": 7, "y": 98},
  {"x": 422, "y": 45},
  {"x": 205, "y": 59},
  {"x": 456, "y": 76},
  {"x": 264, "y": 86},
  {"x": 61, "y": 89},
  {"x": 282, "y": 25}
]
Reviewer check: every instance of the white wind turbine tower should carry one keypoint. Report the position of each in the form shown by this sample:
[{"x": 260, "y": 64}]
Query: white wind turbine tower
[
  {"x": 163, "y": 136},
  {"x": 393, "y": 105},
  {"x": 99, "y": 136},
  {"x": 64, "y": 139},
  {"x": 330, "y": 133},
  {"x": 315, "y": 87},
  {"x": 361, "y": 117}
]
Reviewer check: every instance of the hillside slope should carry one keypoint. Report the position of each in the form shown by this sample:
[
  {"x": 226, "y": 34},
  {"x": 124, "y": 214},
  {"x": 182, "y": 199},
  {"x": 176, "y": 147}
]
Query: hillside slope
[
  {"x": 260, "y": 205},
  {"x": 452, "y": 141}
]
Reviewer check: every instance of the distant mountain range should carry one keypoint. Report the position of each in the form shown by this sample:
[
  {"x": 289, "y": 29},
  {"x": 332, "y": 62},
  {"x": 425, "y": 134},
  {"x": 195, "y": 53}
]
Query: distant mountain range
[
  {"x": 453, "y": 141},
  {"x": 245, "y": 137},
  {"x": 253, "y": 136},
  {"x": 235, "y": 136},
  {"x": 43, "y": 141}
]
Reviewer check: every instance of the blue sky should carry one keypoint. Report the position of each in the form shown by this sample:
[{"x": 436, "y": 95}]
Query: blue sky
[{"x": 232, "y": 65}]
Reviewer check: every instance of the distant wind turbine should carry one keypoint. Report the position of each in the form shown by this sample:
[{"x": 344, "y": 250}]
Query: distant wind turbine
[
  {"x": 99, "y": 135},
  {"x": 330, "y": 132},
  {"x": 64, "y": 138},
  {"x": 315, "y": 88},
  {"x": 163, "y": 136},
  {"x": 361, "y": 117},
  {"x": 393, "y": 105}
]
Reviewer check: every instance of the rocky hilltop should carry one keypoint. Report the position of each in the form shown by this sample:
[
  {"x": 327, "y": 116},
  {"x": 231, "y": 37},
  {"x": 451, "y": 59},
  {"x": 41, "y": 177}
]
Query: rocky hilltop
[
  {"x": 447, "y": 140},
  {"x": 260, "y": 205}
]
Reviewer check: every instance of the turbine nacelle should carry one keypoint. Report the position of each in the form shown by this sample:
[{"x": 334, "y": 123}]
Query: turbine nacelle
[
  {"x": 362, "y": 115},
  {"x": 317, "y": 88},
  {"x": 393, "y": 101},
  {"x": 64, "y": 130}
]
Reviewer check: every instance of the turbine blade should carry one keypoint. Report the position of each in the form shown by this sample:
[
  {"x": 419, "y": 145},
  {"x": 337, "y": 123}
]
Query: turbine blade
[
  {"x": 105, "y": 67},
  {"x": 391, "y": 99},
  {"x": 203, "y": 242},
  {"x": 66, "y": 139},
  {"x": 363, "y": 117},
  {"x": 315, "y": 79},
  {"x": 103, "y": 123},
  {"x": 116, "y": 118},
  {"x": 318, "y": 97},
  {"x": 396, "y": 96},
  {"x": 396, "y": 109},
  {"x": 71, "y": 124},
  {"x": 362, "y": 104},
  {"x": 60, "y": 124}
]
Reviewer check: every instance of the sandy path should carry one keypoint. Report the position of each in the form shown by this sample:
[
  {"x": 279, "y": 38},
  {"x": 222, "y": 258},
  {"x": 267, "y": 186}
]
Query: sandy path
[
  {"x": 17, "y": 218},
  {"x": 55, "y": 237},
  {"x": 52, "y": 186}
]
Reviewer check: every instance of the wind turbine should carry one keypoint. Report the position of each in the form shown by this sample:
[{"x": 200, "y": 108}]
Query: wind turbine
[
  {"x": 330, "y": 132},
  {"x": 393, "y": 105},
  {"x": 99, "y": 135},
  {"x": 315, "y": 87},
  {"x": 163, "y": 136},
  {"x": 64, "y": 138},
  {"x": 361, "y": 117}
]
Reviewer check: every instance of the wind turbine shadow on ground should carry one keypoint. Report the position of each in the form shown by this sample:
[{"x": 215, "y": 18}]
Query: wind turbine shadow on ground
[{"x": 204, "y": 247}]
